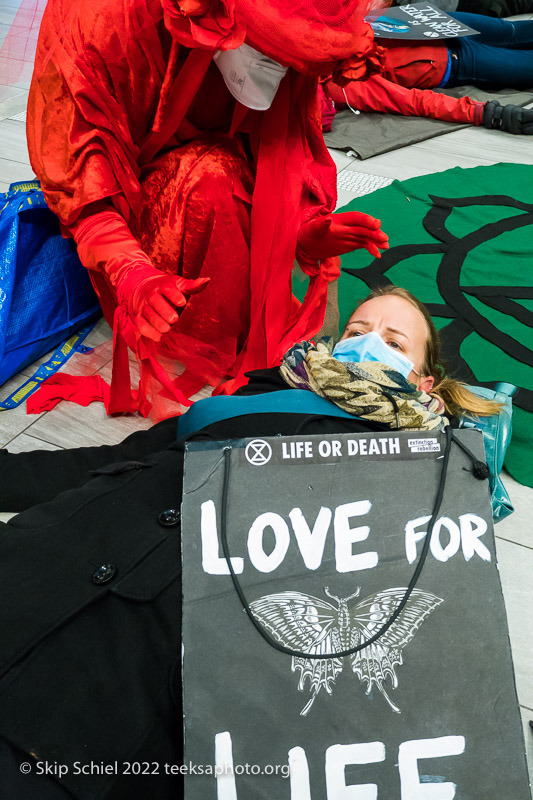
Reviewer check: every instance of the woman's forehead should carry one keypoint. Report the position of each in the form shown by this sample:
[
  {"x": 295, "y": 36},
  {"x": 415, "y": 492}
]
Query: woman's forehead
[
  {"x": 392, "y": 311},
  {"x": 387, "y": 306}
]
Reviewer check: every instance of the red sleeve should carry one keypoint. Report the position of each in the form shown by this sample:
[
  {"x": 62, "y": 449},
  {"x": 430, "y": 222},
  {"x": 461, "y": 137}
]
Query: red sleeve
[
  {"x": 106, "y": 244},
  {"x": 379, "y": 94}
]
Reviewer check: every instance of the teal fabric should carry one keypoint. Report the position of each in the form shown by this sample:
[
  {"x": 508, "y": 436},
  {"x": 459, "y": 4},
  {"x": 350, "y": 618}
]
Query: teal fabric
[
  {"x": 497, "y": 432},
  {"x": 294, "y": 401}
]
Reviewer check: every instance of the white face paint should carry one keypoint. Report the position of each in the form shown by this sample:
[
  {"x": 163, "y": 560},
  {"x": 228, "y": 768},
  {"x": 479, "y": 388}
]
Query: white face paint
[{"x": 251, "y": 77}]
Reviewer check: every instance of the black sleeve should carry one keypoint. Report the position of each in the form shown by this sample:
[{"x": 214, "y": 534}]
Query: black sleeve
[
  {"x": 27, "y": 479},
  {"x": 261, "y": 381}
]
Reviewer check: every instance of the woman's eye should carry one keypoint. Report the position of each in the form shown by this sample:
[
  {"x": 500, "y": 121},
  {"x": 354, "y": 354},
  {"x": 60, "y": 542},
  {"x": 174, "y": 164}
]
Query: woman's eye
[{"x": 394, "y": 345}]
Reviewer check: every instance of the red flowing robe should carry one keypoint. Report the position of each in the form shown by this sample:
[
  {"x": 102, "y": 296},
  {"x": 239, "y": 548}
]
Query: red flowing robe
[{"x": 121, "y": 113}]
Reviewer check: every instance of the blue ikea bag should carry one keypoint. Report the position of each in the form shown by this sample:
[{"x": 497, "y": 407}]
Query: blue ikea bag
[{"x": 45, "y": 292}]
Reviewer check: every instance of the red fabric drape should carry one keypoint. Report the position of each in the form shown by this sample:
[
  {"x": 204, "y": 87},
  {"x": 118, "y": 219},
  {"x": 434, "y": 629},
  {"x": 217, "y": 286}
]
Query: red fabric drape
[{"x": 108, "y": 78}]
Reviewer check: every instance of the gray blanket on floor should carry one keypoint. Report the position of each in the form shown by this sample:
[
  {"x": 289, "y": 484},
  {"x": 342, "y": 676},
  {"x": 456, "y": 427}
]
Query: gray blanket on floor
[{"x": 370, "y": 134}]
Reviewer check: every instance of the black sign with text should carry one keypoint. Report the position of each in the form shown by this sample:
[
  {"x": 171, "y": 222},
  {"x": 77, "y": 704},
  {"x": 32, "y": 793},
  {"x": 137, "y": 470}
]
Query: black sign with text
[
  {"x": 324, "y": 534},
  {"x": 422, "y": 21}
]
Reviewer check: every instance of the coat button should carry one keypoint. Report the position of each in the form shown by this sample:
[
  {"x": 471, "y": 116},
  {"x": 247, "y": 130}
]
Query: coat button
[
  {"x": 104, "y": 574},
  {"x": 169, "y": 517}
]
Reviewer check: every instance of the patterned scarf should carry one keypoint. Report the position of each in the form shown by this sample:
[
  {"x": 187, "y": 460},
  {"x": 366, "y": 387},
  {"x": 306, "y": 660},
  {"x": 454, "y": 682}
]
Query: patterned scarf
[{"x": 368, "y": 390}]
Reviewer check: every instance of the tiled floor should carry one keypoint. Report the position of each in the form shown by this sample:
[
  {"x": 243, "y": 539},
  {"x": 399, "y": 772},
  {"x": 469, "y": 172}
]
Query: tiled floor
[{"x": 68, "y": 426}]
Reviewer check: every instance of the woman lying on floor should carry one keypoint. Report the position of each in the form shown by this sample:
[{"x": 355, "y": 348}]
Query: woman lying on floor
[
  {"x": 500, "y": 56},
  {"x": 94, "y": 673},
  {"x": 428, "y": 397}
]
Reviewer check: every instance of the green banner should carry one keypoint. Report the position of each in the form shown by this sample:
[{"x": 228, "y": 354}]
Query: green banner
[{"x": 461, "y": 242}]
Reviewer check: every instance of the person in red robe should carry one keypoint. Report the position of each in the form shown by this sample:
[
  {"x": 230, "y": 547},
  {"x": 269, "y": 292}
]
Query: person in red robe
[{"x": 179, "y": 142}]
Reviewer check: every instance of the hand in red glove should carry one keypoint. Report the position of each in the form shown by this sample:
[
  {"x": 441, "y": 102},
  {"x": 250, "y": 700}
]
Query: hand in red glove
[
  {"x": 152, "y": 298},
  {"x": 336, "y": 234}
]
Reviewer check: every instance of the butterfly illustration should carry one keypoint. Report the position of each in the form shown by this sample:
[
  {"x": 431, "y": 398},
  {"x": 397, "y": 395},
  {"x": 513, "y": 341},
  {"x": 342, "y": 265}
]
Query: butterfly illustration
[{"x": 306, "y": 623}]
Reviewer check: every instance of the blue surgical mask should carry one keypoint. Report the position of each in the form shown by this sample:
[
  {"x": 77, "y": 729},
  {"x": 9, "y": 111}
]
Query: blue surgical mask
[{"x": 371, "y": 347}]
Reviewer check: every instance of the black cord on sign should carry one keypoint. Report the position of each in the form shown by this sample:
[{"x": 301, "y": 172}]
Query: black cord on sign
[
  {"x": 398, "y": 610},
  {"x": 395, "y": 407},
  {"x": 480, "y": 469}
]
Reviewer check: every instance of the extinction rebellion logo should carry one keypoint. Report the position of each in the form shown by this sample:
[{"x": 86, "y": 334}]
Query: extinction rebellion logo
[{"x": 258, "y": 452}]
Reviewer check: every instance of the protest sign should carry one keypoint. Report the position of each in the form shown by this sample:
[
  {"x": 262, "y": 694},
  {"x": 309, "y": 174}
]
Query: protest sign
[
  {"x": 324, "y": 535},
  {"x": 416, "y": 21}
]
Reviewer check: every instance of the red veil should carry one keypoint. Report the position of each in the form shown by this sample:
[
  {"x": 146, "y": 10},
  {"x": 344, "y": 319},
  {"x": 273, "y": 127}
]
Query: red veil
[{"x": 118, "y": 89}]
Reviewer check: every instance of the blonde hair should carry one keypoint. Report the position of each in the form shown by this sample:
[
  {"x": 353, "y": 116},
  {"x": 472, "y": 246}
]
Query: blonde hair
[{"x": 455, "y": 395}]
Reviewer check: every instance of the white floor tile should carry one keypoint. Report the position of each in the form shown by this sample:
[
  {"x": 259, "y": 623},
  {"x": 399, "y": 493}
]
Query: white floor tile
[
  {"x": 527, "y": 714},
  {"x": 10, "y": 4},
  {"x": 518, "y": 527},
  {"x": 10, "y": 100},
  {"x": 340, "y": 158},
  {"x": 16, "y": 104},
  {"x": 515, "y": 564},
  {"x": 13, "y": 145},
  {"x": 24, "y": 443},
  {"x": 15, "y": 420},
  {"x": 19, "y": 117},
  {"x": 4, "y": 28},
  {"x": 79, "y": 363},
  {"x": 7, "y": 15},
  {"x": 491, "y": 146},
  {"x": 100, "y": 333},
  {"x": 23, "y": 17},
  {"x": 13, "y": 171},
  {"x": 68, "y": 425},
  {"x": 418, "y": 159},
  {"x": 21, "y": 44},
  {"x": 15, "y": 72}
]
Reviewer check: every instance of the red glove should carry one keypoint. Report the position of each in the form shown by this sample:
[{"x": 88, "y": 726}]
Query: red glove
[
  {"x": 336, "y": 234},
  {"x": 150, "y": 297}
]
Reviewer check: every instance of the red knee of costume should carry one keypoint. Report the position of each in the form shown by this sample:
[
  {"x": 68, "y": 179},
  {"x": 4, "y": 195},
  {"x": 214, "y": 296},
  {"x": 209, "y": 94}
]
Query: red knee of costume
[{"x": 196, "y": 222}]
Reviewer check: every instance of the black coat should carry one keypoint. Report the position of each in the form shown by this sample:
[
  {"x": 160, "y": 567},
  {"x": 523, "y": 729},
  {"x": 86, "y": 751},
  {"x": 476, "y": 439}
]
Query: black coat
[{"x": 90, "y": 604}]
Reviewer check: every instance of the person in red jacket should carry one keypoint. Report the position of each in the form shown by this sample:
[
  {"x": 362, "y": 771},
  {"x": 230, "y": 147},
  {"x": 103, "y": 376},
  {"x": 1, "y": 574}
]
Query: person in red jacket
[
  {"x": 411, "y": 69},
  {"x": 179, "y": 143}
]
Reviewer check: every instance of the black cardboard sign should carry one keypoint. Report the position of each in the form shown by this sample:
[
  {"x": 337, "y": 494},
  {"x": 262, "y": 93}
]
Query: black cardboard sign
[
  {"x": 324, "y": 536},
  {"x": 422, "y": 21}
]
